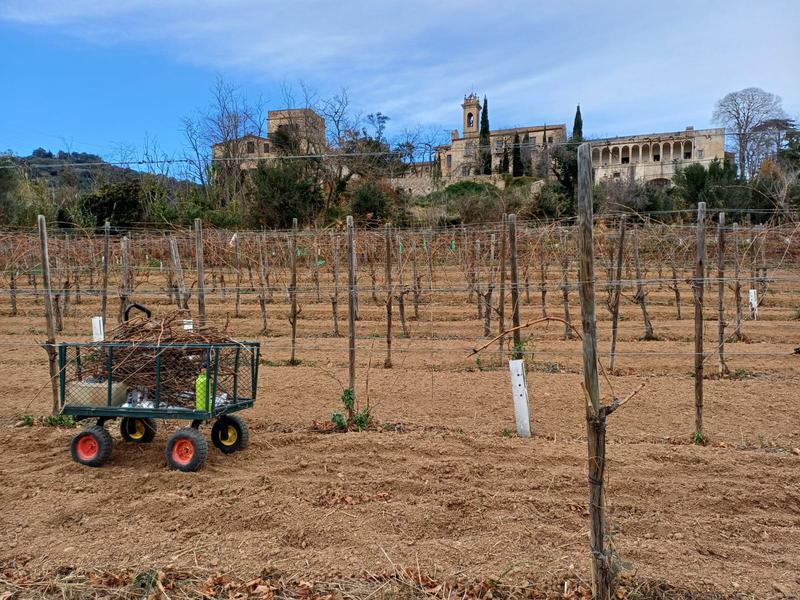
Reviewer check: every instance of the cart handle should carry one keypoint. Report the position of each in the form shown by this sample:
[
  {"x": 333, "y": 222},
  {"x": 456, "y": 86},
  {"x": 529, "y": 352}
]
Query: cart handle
[{"x": 130, "y": 307}]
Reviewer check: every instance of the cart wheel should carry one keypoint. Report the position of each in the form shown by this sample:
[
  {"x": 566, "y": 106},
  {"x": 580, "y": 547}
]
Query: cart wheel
[
  {"x": 187, "y": 450},
  {"x": 140, "y": 431},
  {"x": 230, "y": 433},
  {"x": 92, "y": 446}
]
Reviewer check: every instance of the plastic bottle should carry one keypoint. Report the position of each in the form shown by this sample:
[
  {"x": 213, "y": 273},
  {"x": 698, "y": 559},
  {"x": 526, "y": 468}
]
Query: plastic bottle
[{"x": 200, "y": 389}]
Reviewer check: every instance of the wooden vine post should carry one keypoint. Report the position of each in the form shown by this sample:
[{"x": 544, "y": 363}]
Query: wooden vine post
[
  {"x": 175, "y": 257},
  {"x": 263, "y": 282},
  {"x": 601, "y": 555},
  {"x": 641, "y": 296},
  {"x": 617, "y": 292},
  {"x": 565, "y": 283},
  {"x": 737, "y": 286},
  {"x": 478, "y": 288},
  {"x": 543, "y": 268},
  {"x": 401, "y": 288},
  {"x": 335, "y": 295},
  {"x": 501, "y": 300},
  {"x": 66, "y": 279},
  {"x": 699, "y": 286},
  {"x": 237, "y": 249},
  {"x": 49, "y": 346},
  {"x": 292, "y": 290},
  {"x": 351, "y": 304},
  {"x": 512, "y": 249},
  {"x": 487, "y": 322},
  {"x": 106, "y": 259},
  {"x": 723, "y": 367},
  {"x": 416, "y": 286},
  {"x": 13, "y": 291},
  {"x": 125, "y": 290},
  {"x": 201, "y": 284},
  {"x": 387, "y": 364}
]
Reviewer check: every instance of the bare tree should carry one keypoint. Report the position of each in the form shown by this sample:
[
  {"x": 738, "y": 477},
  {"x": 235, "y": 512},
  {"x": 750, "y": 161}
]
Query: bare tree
[
  {"x": 777, "y": 183},
  {"x": 743, "y": 113},
  {"x": 197, "y": 155},
  {"x": 230, "y": 117}
]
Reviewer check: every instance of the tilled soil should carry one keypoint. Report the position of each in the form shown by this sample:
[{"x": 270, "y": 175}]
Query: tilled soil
[{"x": 437, "y": 484}]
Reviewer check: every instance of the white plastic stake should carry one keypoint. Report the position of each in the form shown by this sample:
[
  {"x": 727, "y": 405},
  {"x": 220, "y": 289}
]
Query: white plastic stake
[
  {"x": 519, "y": 389},
  {"x": 188, "y": 325},
  {"x": 98, "y": 333},
  {"x": 754, "y": 304}
]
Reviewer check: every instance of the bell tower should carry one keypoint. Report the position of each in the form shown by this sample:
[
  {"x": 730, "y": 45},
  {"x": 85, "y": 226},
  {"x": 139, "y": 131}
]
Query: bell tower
[{"x": 472, "y": 114}]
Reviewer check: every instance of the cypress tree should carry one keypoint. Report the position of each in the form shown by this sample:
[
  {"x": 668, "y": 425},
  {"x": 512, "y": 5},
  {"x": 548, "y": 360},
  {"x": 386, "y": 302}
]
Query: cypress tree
[
  {"x": 516, "y": 158},
  {"x": 577, "y": 126},
  {"x": 526, "y": 154},
  {"x": 504, "y": 161},
  {"x": 484, "y": 140}
]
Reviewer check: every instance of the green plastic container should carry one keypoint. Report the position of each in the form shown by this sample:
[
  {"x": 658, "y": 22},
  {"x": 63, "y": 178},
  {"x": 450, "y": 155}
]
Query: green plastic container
[{"x": 200, "y": 389}]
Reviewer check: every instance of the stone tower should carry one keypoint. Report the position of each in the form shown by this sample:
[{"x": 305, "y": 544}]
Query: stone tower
[{"x": 472, "y": 115}]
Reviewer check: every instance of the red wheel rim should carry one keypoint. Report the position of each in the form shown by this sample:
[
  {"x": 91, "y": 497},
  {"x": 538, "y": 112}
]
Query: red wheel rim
[
  {"x": 87, "y": 447},
  {"x": 182, "y": 451}
]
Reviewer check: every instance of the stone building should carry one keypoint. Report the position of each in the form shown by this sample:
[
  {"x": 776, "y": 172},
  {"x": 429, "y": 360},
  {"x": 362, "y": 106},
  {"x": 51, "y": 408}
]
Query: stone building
[
  {"x": 289, "y": 131},
  {"x": 655, "y": 157},
  {"x": 460, "y": 158}
]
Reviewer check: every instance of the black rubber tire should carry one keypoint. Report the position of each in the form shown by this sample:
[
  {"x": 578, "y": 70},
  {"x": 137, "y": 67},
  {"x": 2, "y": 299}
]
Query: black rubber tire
[
  {"x": 102, "y": 444},
  {"x": 178, "y": 455},
  {"x": 130, "y": 432},
  {"x": 220, "y": 434}
]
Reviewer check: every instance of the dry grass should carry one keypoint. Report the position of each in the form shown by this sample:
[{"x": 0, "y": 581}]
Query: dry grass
[{"x": 65, "y": 583}]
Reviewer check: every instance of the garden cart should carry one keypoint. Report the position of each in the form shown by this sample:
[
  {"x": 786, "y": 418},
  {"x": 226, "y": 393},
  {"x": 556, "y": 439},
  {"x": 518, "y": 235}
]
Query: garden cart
[{"x": 139, "y": 382}]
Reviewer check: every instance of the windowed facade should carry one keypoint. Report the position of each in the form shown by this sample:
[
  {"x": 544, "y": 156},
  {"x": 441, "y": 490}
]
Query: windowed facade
[
  {"x": 652, "y": 157},
  {"x": 251, "y": 147}
]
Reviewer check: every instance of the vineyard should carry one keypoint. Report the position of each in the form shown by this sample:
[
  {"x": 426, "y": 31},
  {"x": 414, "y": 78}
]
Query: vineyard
[{"x": 438, "y": 479}]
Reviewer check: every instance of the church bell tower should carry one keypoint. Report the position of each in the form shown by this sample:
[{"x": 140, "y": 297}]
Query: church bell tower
[{"x": 472, "y": 115}]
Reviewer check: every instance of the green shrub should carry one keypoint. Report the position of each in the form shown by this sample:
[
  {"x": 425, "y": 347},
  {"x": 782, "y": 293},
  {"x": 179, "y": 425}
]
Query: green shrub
[{"x": 65, "y": 421}]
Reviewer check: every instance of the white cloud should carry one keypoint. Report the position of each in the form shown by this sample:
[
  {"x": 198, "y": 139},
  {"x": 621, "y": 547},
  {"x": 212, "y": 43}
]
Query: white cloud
[{"x": 628, "y": 63}]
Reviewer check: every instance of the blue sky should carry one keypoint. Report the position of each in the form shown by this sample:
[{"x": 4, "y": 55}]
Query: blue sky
[{"x": 98, "y": 75}]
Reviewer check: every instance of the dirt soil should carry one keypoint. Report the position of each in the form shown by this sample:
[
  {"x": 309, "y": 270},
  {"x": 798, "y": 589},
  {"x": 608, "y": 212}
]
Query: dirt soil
[{"x": 439, "y": 484}]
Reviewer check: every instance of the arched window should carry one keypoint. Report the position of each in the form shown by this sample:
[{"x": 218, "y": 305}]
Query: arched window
[
  {"x": 666, "y": 153},
  {"x": 635, "y": 154},
  {"x": 656, "y": 152},
  {"x": 645, "y": 152},
  {"x": 687, "y": 150},
  {"x": 615, "y": 156},
  {"x": 606, "y": 156},
  {"x": 595, "y": 156},
  {"x": 676, "y": 150},
  {"x": 470, "y": 120},
  {"x": 626, "y": 155}
]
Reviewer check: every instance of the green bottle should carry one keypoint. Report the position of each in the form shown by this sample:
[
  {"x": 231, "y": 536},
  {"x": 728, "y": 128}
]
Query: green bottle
[{"x": 200, "y": 388}]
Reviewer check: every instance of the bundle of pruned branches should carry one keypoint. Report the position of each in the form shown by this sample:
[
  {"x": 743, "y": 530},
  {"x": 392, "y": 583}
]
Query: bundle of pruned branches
[{"x": 161, "y": 355}]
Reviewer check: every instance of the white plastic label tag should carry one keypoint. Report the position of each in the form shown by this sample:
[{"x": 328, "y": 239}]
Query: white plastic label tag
[
  {"x": 98, "y": 333},
  {"x": 754, "y": 303}
]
